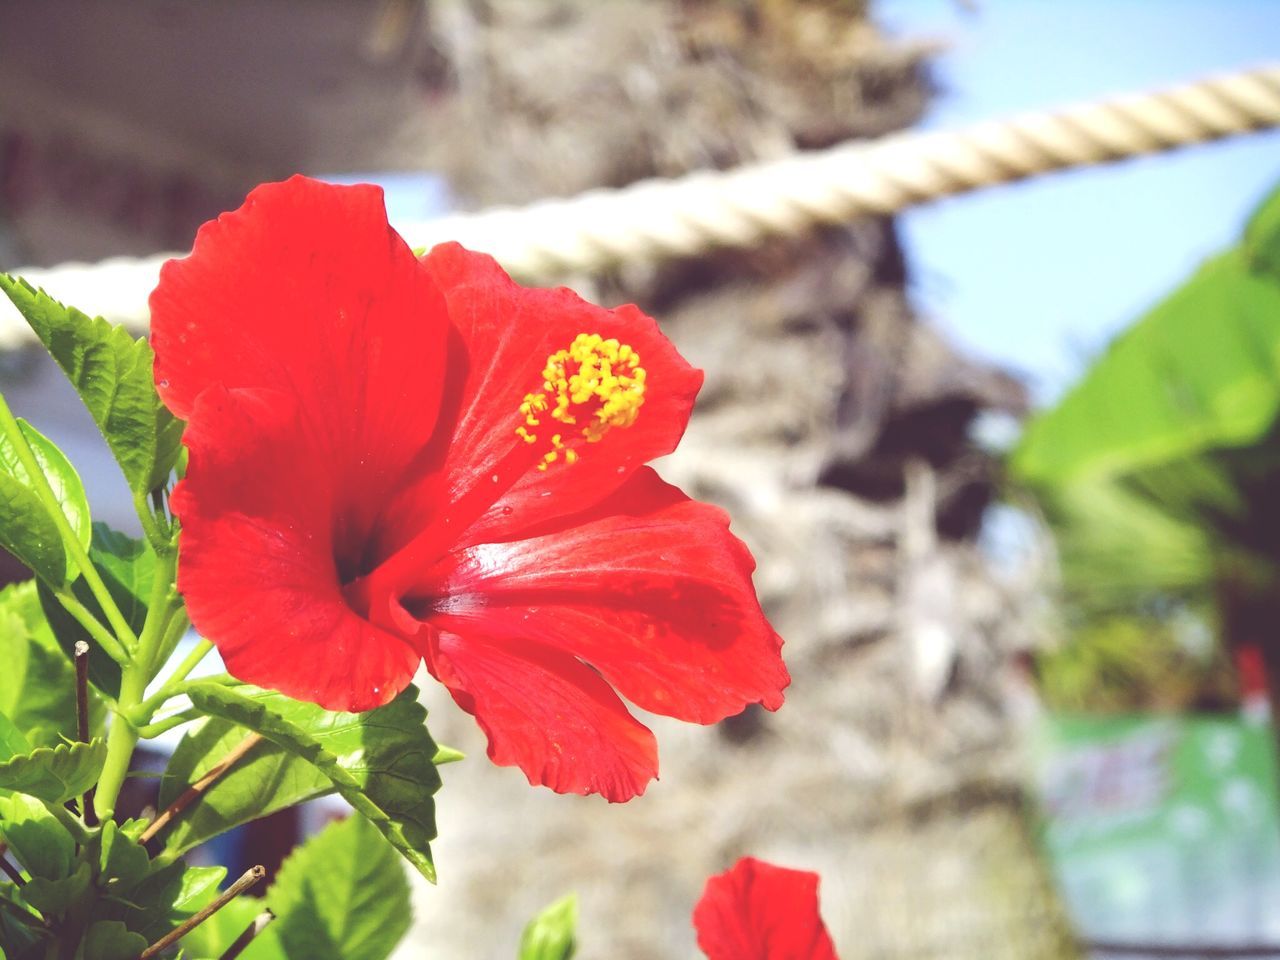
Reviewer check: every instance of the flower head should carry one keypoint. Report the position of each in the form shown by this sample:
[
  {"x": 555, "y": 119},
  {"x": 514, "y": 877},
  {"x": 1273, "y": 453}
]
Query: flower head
[
  {"x": 756, "y": 911},
  {"x": 395, "y": 459}
]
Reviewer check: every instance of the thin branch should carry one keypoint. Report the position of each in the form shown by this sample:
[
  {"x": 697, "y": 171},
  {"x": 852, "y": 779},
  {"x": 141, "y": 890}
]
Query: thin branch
[
  {"x": 82, "y": 720},
  {"x": 10, "y": 870},
  {"x": 247, "y": 935},
  {"x": 250, "y": 877},
  {"x": 193, "y": 792},
  {"x": 25, "y": 914}
]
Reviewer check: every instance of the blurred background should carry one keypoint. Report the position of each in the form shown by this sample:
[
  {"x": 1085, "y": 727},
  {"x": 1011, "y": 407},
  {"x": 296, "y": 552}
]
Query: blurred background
[{"x": 1009, "y": 463}]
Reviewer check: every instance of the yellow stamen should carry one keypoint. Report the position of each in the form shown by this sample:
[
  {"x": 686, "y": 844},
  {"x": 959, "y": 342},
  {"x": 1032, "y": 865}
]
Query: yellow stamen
[{"x": 598, "y": 379}]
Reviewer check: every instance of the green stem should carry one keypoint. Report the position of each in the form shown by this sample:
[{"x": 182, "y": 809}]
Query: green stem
[
  {"x": 121, "y": 739},
  {"x": 172, "y": 636},
  {"x": 152, "y": 730},
  {"x": 42, "y": 489},
  {"x": 91, "y": 625},
  {"x": 161, "y": 606},
  {"x": 201, "y": 650},
  {"x": 173, "y": 685},
  {"x": 158, "y": 538}
]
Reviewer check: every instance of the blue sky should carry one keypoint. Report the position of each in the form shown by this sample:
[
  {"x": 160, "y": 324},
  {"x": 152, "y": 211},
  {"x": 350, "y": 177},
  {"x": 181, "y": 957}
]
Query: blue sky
[{"x": 1038, "y": 276}]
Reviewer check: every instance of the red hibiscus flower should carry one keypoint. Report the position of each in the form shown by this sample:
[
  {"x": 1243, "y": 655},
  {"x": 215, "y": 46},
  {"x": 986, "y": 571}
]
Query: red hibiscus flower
[
  {"x": 395, "y": 459},
  {"x": 757, "y": 911}
]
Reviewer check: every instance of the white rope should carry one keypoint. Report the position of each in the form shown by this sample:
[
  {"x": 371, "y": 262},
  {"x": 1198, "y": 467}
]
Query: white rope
[{"x": 658, "y": 219}]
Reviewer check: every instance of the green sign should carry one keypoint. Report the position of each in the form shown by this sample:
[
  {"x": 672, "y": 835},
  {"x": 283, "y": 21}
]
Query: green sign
[{"x": 1163, "y": 829}]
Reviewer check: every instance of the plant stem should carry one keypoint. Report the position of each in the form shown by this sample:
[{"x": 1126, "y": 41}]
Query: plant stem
[
  {"x": 161, "y": 606},
  {"x": 151, "y": 730},
  {"x": 190, "y": 662},
  {"x": 172, "y": 635},
  {"x": 91, "y": 625},
  {"x": 25, "y": 914},
  {"x": 10, "y": 870},
  {"x": 172, "y": 686},
  {"x": 193, "y": 792},
  {"x": 157, "y": 537},
  {"x": 82, "y": 720},
  {"x": 71, "y": 543},
  {"x": 247, "y": 936},
  {"x": 121, "y": 739},
  {"x": 250, "y": 877}
]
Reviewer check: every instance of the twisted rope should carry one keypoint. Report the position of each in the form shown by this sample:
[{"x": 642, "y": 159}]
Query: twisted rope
[{"x": 659, "y": 219}]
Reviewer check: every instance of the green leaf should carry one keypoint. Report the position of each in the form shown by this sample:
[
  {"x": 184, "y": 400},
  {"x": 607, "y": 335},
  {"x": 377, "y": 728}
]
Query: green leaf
[
  {"x": 1201, "y": 371},
  {"x": 552, "y": 934},
  {"x": 127, "y": 567},
  {"x": 112, "y": 372},
  {"x": 21, "y": 931},
  {"x": 120, "y": 861},
  {"x": 41, "y": 844},
  {"x": 38, "y": 684},
  {"x": 148, "y": 897},
  {"x": 379, "y": 761},
  {"x": 12, "y": 742},
  {"x": 112, "y": 940},
  {"x": 1262, "y": 236},
  {"x": 266, "y": 779},
  {"x": 27, "y": 528},
  {"x": 1158, "y": 470},
  {"x": 56, "y": 898},
  {"x": 55, "y": 774},
  {"x": 341, "y": 894}
]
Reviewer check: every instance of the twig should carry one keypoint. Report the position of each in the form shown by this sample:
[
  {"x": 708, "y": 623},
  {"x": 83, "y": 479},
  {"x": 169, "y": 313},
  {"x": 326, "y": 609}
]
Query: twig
[
  {"x": 10, "y": 870},
  {"x": 82, "y": 720},
  {"x": 250, "y": 877},
  {"x": 247, "y": 935},
  {"x": 193, "y": 792}
]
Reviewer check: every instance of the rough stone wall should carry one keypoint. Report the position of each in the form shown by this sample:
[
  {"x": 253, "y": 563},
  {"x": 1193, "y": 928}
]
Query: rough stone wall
[{"x": 834, "y": 427}]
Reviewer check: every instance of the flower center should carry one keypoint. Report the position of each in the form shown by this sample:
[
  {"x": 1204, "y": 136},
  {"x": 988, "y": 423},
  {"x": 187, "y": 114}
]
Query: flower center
[
  {"x": 588, "y": 389},
  {"x": 591, "y": 387}
]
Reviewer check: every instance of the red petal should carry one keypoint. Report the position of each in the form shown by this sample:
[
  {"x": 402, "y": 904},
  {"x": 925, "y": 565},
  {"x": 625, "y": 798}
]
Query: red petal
[
  {"x": 649, "y": 587},
  {"x": 256, "y": 562},
  {"x": 547, "y": 714},
  {"x": 507, "y": 331},
  {"x": 306, "y": 289},
  {"x": 757, "y": 911}
]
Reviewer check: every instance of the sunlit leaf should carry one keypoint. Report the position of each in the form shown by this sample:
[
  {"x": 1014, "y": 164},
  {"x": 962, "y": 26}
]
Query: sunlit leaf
[
  {"x": 41, "y": 844},
  {"x": 266, "y": 779},
  {"x": 38, "y": 683},
  {"x": 27, "y": 528},
  {"x": 112, "y": 372},
  {"x": 341, "y": 894},
  {"x": 127, "y": 567},
  {"x": 55, "y": 773},
  {"x": 380, "y": 762}
]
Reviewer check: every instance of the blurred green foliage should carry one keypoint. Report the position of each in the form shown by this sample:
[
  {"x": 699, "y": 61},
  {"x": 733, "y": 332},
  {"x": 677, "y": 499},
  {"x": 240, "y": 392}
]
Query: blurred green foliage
[{"x": 1160, "y": 476}]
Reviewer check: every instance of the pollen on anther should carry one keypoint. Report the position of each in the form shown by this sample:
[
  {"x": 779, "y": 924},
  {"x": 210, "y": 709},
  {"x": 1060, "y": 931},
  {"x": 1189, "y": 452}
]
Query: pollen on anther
[{"x": 597, "y": 379}]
